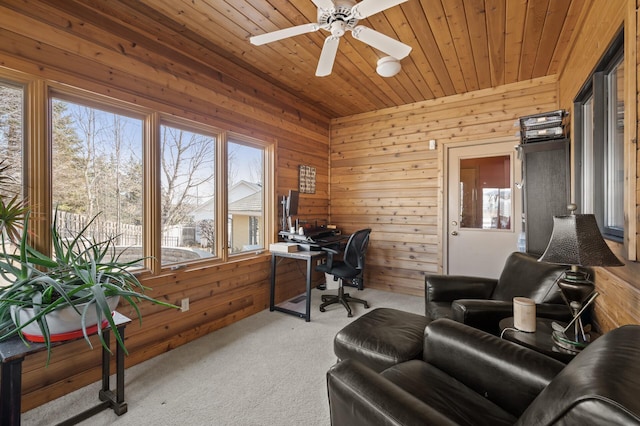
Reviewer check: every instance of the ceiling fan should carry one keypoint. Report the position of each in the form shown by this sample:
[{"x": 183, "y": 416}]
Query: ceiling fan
[{"x": 338, "y": 18}]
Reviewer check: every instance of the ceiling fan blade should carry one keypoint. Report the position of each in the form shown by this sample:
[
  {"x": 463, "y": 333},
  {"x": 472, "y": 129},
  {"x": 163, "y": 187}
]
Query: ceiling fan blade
[
  {"x": 366, "y": 8},
  {"x": 384, "y": 43},
  {"x": 324, "y": 4},
  {"x": 285, "y": 33},
  {"x": 327, "y": 56}
]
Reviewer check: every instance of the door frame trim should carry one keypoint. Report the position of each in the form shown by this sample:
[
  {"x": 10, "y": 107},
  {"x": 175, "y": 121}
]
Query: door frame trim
[{"x": 443, "y": 196}]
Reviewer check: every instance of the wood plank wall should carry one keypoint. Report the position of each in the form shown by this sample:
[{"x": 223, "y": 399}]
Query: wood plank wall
[
  {"x": 384, "y": 176},
  {"x": 619, "y": 300},
  {"x": 44, "y": 43}
]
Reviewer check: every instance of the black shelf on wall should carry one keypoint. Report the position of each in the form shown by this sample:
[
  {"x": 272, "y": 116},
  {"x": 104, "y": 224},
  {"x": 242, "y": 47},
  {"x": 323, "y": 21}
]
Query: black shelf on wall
[{"x": 545, "y": 155}]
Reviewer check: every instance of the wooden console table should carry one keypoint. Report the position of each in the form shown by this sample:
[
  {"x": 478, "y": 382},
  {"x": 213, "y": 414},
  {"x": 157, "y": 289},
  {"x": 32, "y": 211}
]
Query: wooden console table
[{"x": 14, "y": 351}]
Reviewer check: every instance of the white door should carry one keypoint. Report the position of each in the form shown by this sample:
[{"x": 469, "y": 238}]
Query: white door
[{"x": 484, "y": 208}]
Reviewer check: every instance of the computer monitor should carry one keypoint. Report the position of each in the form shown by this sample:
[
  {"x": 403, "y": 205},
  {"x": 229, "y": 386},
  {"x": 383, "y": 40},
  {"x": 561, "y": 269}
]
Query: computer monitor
[{"x": 292, "y": 202}]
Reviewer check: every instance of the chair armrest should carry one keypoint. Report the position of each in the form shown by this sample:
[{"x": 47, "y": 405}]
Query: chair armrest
[
  {"x": 488, "y": 364},
  {"x": 481, "y": 314},
  {"x": 330, "y": 253},
  {"x": 358, "y": 396},
  {"x": 486, "y": 314},
  {"x": 447, "y": 288}
]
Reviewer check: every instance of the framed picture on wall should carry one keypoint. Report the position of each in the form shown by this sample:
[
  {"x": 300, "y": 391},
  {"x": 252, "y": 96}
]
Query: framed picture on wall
[{"x": 307, "y": 184}]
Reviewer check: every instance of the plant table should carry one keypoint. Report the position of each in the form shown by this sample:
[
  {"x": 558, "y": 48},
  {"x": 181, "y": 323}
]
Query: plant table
[{"x": 13, "y": 352}]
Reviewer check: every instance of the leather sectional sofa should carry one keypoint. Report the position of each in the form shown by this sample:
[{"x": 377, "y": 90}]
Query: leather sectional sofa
[{"x": 469, "y": 377}]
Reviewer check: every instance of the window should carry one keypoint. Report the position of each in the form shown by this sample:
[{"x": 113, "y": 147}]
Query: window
[
  {"x": 485, "y": 192},
  {"x": 11, "y": 138},
  {"x": 97, "y": 157},
  {"x": 11, "y": 149},
  {"x": 166, "y": 188},
  {"x": 189, "y": 202},
  {"x": 599, "y": 143},
  {"x": 245, "y": 208}
]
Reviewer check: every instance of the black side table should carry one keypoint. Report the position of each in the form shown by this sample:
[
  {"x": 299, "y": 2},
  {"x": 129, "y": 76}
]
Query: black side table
[
  {"x": 13, "y": 352},
  {"x": 541, "y": 340}
]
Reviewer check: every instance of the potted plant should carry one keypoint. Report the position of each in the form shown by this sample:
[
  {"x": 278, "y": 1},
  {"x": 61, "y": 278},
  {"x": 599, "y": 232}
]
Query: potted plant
[{"x": 80, "y": 282}]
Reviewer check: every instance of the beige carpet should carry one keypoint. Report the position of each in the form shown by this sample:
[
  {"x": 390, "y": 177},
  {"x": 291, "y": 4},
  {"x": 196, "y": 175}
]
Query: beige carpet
[{"x": 268, "y": 369}]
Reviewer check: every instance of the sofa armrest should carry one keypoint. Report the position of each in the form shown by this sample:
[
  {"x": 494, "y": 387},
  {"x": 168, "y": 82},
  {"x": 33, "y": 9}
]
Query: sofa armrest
[
  {"x": 447, "y": 288},
  {"x": 489, "y": 365},
  {"x": 360, "y": 396},
  {"x": 487, "y": 314}
]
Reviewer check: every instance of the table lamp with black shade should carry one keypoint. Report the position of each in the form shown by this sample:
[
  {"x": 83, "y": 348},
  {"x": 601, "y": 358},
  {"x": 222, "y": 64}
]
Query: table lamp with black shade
[{"x": 576, "y": 241}]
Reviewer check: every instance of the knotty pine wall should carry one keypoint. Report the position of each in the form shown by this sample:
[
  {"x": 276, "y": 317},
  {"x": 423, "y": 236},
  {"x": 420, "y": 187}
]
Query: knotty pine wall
[
  {"x": 42, "y": 45},
  {"x": 384, "y": 176},
  {"x": 619, "y": 288}
]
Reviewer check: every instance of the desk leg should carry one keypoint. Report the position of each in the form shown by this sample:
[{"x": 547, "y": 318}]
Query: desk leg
[
  {"x": 10, "y": 393},
  {"x": 307, "y": 316},
  {"x": 272, "y": 292}
]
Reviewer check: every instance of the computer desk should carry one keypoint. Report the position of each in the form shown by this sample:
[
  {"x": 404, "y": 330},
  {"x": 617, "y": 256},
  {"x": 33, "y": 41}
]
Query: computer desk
[{"x": 311, "y": 257}]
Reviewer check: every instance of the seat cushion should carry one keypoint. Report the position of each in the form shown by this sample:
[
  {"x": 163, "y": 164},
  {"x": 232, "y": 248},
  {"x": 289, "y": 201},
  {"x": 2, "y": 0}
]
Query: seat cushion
[
  {"x": 446, "y": 395},
  {"x": 381, "y": 338}
]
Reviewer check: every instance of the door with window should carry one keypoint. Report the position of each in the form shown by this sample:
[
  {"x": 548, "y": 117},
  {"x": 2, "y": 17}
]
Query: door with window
[{"x": 484, "y": 208}]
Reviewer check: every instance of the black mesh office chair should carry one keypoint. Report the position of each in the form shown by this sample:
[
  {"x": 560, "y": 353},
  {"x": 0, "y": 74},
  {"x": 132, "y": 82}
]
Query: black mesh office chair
[{"x": 350, "y": 268}]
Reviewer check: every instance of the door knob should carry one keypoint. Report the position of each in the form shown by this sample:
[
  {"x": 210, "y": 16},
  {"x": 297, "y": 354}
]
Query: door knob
[{"x": 454, "y": 233}]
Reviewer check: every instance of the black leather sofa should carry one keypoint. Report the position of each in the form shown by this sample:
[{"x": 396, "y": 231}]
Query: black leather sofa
[
  {"x": 483, "y": 302},
  {"x": 469, "y": 377}
]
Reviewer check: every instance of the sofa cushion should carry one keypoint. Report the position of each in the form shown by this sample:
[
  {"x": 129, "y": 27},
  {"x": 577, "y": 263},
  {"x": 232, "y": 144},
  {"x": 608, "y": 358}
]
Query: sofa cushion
[
  {"x": 446, "y": 395},
  {"x": 381, "y": 338}
]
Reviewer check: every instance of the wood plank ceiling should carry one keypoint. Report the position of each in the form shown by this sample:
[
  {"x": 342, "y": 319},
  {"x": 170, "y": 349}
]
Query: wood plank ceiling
[{"x": 458, "y": 45}]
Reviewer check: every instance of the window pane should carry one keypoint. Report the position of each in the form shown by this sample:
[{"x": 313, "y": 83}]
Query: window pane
[
  {"x": 245, "y": 180},
  {"x": 485, "y": 193},
  {"x": 11, "y": 143},
  {"x": 587, "y": 159},
  {"x": 614, "y": 196},
  {"x": 188, "y": 195},
  {"x": 11, "y": 139},
  {"x": 97, "y": 157}
]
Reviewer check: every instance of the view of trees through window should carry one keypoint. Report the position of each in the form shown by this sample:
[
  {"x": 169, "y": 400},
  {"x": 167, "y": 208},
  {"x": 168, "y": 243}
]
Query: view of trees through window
[
  {"x": 98, "y": 157},
  {"x": 11, "y": 139},
  {"x": 97, "y": 170},
  {"x": 188, "y": 169},
  {"x": 11, "y": 145}
]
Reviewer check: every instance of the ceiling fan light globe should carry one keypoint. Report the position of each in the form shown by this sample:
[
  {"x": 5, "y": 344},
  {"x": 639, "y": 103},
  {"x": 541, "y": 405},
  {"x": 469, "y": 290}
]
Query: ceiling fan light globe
[{"x": 388, "y": 66}]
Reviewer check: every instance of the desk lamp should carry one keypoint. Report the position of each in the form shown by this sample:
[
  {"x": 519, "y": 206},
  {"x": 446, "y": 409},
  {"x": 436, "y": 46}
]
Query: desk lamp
[{"x": 576, "y": 241}]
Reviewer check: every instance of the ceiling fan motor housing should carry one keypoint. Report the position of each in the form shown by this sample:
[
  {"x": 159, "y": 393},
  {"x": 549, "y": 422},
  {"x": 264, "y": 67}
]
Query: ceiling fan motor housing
[{"x": 339, "y": 19}]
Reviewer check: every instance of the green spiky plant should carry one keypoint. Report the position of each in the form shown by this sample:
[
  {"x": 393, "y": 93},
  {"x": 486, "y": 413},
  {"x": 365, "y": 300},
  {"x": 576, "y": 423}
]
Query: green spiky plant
[{"x": 80, "y": 271}]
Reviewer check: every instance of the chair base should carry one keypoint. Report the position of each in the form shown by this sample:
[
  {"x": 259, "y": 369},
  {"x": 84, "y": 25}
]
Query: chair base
[{"x": 342, "y": 298}]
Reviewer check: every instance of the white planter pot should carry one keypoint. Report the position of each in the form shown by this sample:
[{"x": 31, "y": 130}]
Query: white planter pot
[{"x": 61, "y": 321}]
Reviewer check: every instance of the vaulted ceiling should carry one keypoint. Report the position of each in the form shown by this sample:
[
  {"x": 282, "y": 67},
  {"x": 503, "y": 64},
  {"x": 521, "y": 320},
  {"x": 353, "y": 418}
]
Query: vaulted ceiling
[{"x": 457, "y": 45}]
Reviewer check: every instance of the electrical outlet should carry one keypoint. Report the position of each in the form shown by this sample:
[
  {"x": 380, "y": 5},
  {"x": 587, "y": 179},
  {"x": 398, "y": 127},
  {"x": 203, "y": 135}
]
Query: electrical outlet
[
  {"x": 321, "y": 261},
  {"x": 184, "y": 306}
]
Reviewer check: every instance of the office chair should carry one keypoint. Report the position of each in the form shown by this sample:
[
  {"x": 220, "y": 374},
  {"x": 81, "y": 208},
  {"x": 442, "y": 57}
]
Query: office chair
[{"x": 349, "y": 268}]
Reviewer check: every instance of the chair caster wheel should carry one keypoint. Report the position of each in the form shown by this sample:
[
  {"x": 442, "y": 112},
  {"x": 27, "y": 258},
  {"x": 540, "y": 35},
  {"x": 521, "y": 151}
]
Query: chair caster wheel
[
  {"x": 322, "y": 310},
  {"x": 350, "y": 315},
  {"x": 366, "y": 306}
]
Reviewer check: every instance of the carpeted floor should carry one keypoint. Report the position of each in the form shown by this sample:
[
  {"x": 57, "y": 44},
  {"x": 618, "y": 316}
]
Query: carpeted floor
[{"x": 268, "y": 369}]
